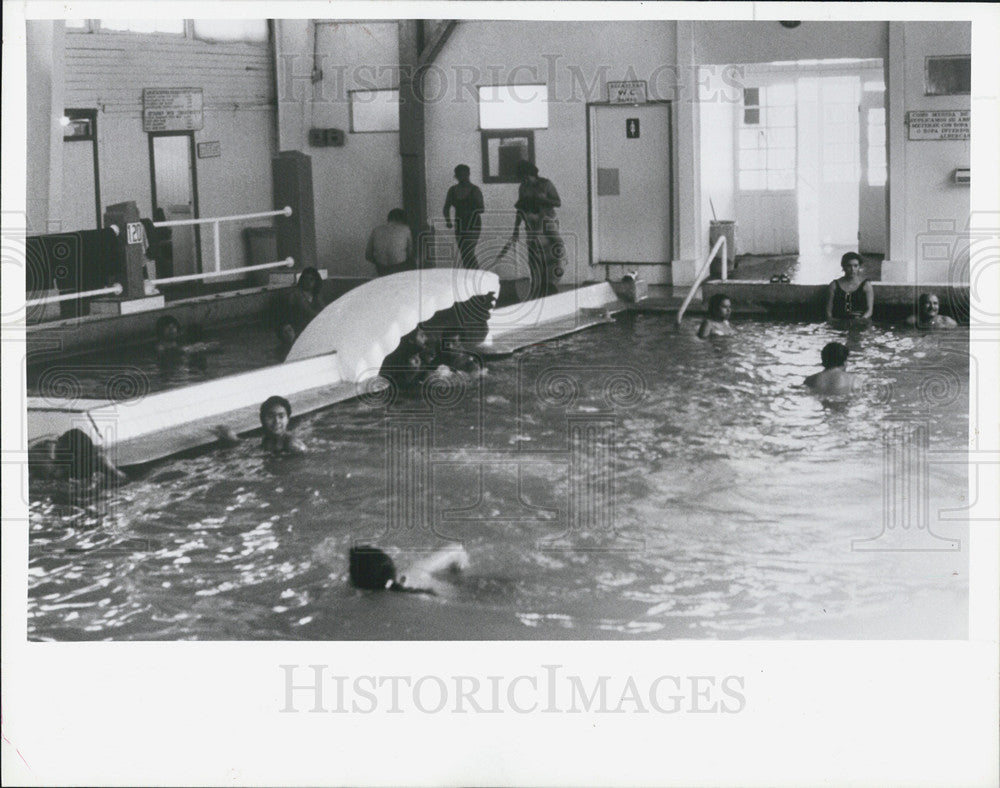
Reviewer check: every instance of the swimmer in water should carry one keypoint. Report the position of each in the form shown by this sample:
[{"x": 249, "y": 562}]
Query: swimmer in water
[
  {"x": 717, "y": 323},
  {"x": 372, "y": 569},
  {"x": 834, "y": 379},
  {"x": 929, "y": 314},
  {"x": 171, "y": 351},
  {"x": 275, "y": 414}
]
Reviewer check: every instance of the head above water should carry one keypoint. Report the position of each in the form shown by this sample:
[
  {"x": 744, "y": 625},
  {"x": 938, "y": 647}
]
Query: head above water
[
  {"x": 719, "y": 307},
  {"x": 834, "y": 354},
  {"x": 168, "y": 327},
  {"x": 397, "y": 215},
  {"x": 848, "y": 261},
  {"x": 274, "y": 414},
  {"x": 525, "y": 169},
  {"x": 462, "y": 173},
  {"x": 928, "y": 305},
  {"x": 310, "y": 280},
  {"x": 371, "y": 569}
]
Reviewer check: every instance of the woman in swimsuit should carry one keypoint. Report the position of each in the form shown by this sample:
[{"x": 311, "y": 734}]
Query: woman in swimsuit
[{"x": 850, "y": 297}]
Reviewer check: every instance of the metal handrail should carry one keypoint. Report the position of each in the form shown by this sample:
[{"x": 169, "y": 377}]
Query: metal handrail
[
  {"x": 288, "y": 262},
  {"x": 701, "y": 270},
  {"x": 114, "y": 290},
  {"x": 215, "y": 221}
]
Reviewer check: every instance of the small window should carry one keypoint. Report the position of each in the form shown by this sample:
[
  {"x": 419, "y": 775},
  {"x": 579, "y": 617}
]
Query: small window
[
  {"x": 225, "y": 30},
  {"x": 513, "y": 107},
  {"x": 502, "y": 150},
  {"x": 171, "y": 26},
  {"x": 374, "y": 110},
  {"x": 77, "y": 25},
  {"x": 79, "y": 125}
]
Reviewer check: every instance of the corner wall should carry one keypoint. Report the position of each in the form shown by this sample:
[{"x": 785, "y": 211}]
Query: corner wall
[{"x": 927, "y": 211}]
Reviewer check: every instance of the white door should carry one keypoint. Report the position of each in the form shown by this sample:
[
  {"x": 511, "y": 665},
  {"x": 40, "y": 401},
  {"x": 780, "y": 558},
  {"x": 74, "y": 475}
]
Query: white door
[
  {"x": 173, "y": 191},
  {"x": 630, "y": 184}
]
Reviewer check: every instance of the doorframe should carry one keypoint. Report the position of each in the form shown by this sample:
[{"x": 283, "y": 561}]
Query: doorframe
[
  {"x": 89, "y": 114},
  {"x": 670, "y": 177},
  {"x": 194, "y": 183}
]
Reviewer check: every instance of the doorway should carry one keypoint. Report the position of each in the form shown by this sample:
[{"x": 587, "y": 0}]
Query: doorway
[
  {"x": 175, "y": 195},
  {"x": 631, "y": 210}
]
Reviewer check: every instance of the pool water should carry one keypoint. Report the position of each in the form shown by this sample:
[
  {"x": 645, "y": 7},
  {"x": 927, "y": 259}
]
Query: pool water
[{"x": 630, "y": 481}]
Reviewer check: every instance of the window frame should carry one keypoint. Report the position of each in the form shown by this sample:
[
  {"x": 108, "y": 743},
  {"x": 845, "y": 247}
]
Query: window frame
[
  {"x": 350, "y": 108},
  {"x": 490, "y": 134},
  {"x": 479, "y": 105}
]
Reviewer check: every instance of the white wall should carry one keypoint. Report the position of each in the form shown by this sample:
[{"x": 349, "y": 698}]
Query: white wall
[
  {"x": 926, "y": 208},
  {"x": 44, "y": 65},
  {"x": 356, "y": 185},
  {"x": 575, "y": 59},
  {"x": 108, "y": 71},
  {"x": 768, "y": 41}
]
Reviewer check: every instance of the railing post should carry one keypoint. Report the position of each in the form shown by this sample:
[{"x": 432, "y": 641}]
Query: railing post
[{"x": 215, "y": 237}]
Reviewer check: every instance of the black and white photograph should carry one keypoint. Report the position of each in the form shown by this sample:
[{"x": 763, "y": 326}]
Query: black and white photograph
[{"x": 529, "y": 325}]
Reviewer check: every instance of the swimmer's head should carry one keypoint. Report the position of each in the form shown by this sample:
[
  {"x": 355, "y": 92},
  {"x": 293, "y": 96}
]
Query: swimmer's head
[
  {"x": 928, "y": 305},
  {"x": 397, "y": 215},
  {"x": 720, "y": 307},
  {"x": 310, "y": 280},
  {"x": 834, "y": 354},
  {"x": 274, "y": 415},
  {"x": 76, "y": 452},
  {"x": 168, "y": 328},
  {"x": 525, "y": 169},
  {"x": 372, "y": 569},
  {"x": 462, "y": 173},
  {"x": 851, "y": 261}
]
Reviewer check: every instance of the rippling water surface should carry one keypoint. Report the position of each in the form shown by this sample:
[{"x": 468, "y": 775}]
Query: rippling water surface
[{"x": 628, "y": 481}]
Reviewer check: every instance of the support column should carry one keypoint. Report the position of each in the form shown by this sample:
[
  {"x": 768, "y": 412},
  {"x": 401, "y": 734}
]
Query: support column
[
  {"x": 690, "y": 246},
  {"x": 411, "y": 129}
]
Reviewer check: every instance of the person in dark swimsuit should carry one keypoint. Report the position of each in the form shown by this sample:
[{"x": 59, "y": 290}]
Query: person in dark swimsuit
[
  {"x": 850, "y": 297},
  {"x": 467, "y": 200}
]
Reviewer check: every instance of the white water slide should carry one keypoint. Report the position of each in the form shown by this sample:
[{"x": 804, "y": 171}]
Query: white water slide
[{"x": 341, "y": 348}]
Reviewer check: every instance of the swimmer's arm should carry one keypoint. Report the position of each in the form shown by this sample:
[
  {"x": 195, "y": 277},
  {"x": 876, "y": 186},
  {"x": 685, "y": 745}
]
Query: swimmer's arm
[
  {"x": 869, "y": 299},
  {"x": 109, "y": 468},
  {"x": 829, "y": 300},
  {"x": 226, "y": 435},
  {"x": 295, "y": 445},
  {"x": 451, "y": 558},
  {"x": 370, "y": 249},
  {"x": 810, "y": 381},
  {"x": 705, "y": 329}
]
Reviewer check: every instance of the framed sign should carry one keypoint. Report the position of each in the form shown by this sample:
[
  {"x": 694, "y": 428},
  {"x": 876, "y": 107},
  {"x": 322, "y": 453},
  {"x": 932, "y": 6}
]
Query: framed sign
[
  {"x": 172, "y": 109},
  {"x": 209, "y": 150},
  {"x": 632, "y": 91},
  {"x": 938, "y": 124},
  {"x": 949, "y": 75}
]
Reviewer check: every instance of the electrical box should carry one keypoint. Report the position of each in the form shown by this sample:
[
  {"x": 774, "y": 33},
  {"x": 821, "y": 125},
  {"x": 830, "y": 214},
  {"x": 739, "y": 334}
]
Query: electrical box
[
  {"x": 962, "y": 176},
  {"x": 326, "y": 138}
]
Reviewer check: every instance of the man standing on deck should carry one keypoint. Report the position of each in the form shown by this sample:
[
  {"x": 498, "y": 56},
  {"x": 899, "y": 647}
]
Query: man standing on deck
[
  {"x": 390, "y": 246},
  {"x": 537, "y": 200},
  {"x": 467, "y": 200}
]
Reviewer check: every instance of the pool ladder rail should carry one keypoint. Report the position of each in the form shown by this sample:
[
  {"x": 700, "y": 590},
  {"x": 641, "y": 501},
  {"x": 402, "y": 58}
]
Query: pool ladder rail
[{"x": 700, "y": 276}]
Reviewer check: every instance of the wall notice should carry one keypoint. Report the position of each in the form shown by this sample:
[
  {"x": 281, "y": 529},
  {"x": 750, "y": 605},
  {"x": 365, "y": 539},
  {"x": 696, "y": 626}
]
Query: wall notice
[
  {"x": 172, "y": 109},
  {"x": 938, "y": 124},
  {"x": 632, "y": 91}
]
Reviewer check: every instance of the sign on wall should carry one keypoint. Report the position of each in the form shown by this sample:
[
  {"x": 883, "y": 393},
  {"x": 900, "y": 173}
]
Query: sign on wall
[
  {"x": 209, "y": 150},
  {"x": 172, "y": 109},
  {"x": 938, "y": 124},
  {"x": 632, "y": 91}
]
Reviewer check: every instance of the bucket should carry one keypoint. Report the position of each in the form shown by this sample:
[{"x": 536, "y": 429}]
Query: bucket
[{"x": 716, "y": 230}]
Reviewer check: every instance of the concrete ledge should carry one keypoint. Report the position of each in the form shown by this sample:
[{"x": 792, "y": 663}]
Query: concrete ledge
[{"x": 808, "y": 302}]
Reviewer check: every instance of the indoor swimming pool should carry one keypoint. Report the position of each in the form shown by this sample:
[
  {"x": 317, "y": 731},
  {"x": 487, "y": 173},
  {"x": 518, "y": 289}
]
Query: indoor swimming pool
[{"x": 629, "y": 481}]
